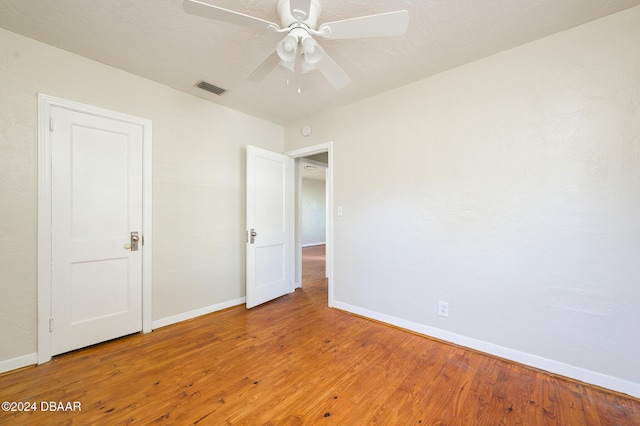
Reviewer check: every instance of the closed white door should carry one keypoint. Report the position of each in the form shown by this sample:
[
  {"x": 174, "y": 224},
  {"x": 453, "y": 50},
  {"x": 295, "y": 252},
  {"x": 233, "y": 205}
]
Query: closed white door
[
  {"x": 96, "y": 190},
  {"x": 269, "y": 225}
]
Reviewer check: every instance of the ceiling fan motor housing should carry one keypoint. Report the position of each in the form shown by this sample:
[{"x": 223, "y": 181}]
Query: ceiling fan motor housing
[{"x": 287, "y": 18}]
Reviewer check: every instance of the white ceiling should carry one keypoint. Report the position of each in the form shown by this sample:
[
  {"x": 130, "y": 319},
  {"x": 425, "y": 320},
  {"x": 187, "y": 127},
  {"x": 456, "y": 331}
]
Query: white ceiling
[
  {"x": 313, "y": 170},
  {"x": 157, "y": 40},
  {"x": 315, "y": 174}
]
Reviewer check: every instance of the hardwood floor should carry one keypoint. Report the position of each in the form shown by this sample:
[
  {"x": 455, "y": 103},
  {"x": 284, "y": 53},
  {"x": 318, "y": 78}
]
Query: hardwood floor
[{"x": 295, "y": 361}]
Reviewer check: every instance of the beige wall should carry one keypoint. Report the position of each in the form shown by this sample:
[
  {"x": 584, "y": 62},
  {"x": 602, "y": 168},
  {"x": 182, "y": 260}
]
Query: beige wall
[
  {"x": 313, "y": 208},
  {"x": 198, "y": 182},
  {"x": 508, "y": 187}
]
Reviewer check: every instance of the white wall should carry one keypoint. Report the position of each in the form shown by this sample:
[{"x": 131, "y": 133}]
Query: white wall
[
  {"x": 510, "y": 188},
  {"x": 198, "y": 184},
  {"x": 313, "y": 212}
]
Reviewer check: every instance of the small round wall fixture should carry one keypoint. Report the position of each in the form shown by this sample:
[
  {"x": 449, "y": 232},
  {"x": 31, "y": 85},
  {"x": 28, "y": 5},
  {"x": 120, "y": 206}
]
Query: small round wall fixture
[{"x": 306, "y": 130}]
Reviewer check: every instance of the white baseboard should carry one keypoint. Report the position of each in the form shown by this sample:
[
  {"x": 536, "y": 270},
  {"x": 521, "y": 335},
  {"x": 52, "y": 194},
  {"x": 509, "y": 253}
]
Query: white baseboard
[
  {"x": 313, "y": 244},
  {"x": 19, "y": 362},
  {"x": 555, "y": 367},
  {"x": 163, "y": 322}
]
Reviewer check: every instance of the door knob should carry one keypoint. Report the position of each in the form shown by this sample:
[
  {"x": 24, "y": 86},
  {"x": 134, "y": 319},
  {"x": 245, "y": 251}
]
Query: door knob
[
  {"x": 134, "y": 241},
  {"x": 253, "y": 234}
]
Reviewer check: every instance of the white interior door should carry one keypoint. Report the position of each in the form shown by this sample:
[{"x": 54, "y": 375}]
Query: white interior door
[
  {"x": 269, "y": 225},
  {"x": 96, "y": 190}
]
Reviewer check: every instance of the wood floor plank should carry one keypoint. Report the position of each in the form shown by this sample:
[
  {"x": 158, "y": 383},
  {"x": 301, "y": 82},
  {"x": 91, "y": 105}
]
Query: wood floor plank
[
  {"x": 481, "y": 388},
  {"x": 294, "y": 361}
]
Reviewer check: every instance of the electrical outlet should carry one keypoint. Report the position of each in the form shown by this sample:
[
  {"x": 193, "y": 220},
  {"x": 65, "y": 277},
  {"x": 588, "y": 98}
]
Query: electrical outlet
[{"x": 443, "y": 309}]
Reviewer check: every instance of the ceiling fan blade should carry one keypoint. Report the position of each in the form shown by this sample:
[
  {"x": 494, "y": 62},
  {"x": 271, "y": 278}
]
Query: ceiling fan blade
[
  {"x": 206, "y": 10},
  {"x": 381, "y": 25},
  {"x": 332, "y": 71},
  {"x": 300, "y": 9},
  {"x": 265, "y": 67}
]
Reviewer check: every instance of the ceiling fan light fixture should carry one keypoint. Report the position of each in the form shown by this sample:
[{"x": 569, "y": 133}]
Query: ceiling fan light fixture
[
  {"x": 287, "y": 48},
  {"x": 312, "y": 54}
]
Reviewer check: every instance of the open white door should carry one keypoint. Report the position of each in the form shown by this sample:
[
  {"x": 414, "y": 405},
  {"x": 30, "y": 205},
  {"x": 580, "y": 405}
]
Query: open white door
[{"x": 269, "y": 225}]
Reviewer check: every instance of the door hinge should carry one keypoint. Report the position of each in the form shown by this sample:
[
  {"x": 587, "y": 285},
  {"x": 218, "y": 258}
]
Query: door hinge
[
  {"x": 50, "y": 324},
  {"x": 51, "y": 124},
  {"x": 142, "y": 239}
]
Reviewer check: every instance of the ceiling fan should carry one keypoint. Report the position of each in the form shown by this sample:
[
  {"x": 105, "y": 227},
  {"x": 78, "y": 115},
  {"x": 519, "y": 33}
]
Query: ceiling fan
[{"x": 298, "y": 51}]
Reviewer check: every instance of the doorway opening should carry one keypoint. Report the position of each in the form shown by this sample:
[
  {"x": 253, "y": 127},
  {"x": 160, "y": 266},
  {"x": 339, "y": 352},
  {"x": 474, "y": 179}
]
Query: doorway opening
[
  {"x": 312, "y": 212},
  {"x": 310, "y": 224},
  {"x": 314, "y": 278}
]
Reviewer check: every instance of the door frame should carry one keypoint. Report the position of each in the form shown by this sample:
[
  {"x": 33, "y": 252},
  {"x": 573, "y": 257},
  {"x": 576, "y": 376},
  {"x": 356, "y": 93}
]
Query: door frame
[
  {"x": 305, "y": 152},
  {"x": 45, "y": 105}
]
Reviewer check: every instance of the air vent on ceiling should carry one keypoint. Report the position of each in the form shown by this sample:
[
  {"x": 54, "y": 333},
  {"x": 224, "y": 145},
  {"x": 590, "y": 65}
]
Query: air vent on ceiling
[{"x": 210, "y": 88}]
